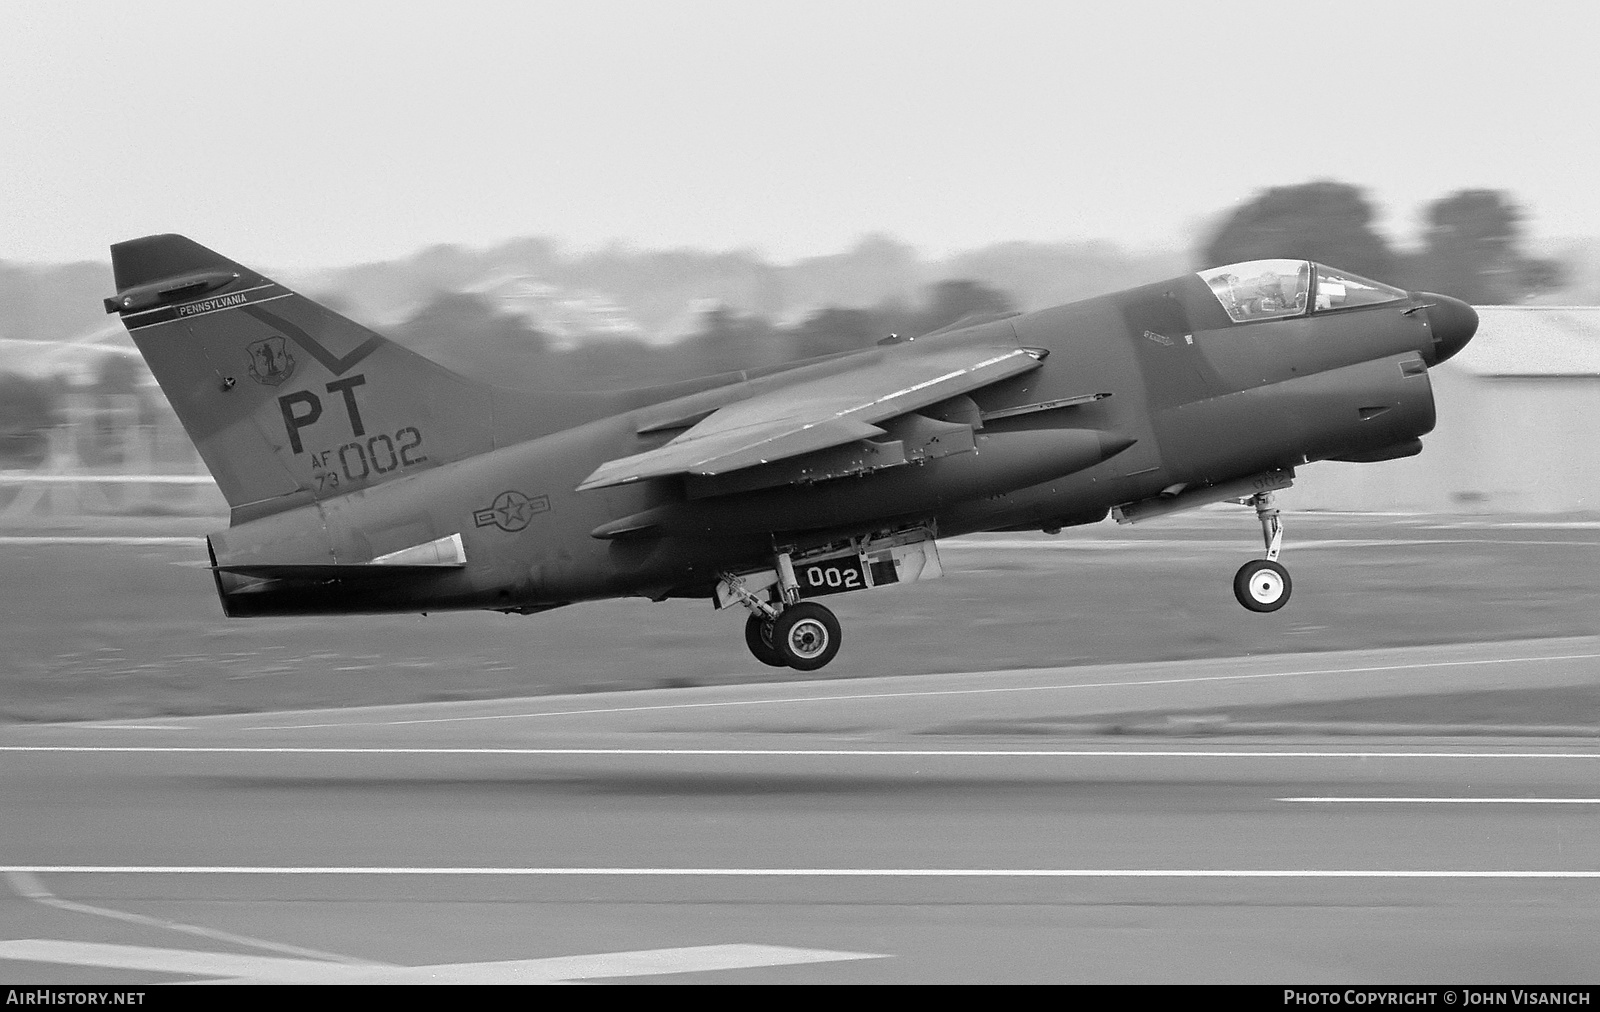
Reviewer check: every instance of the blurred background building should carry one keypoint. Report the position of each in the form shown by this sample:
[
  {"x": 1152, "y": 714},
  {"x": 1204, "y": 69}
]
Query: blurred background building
[{"x": 1517, "y": 433}]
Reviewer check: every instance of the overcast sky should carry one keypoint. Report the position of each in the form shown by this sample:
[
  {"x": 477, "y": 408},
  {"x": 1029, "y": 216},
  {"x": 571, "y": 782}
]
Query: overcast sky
[{"x": 300, "y": 135}]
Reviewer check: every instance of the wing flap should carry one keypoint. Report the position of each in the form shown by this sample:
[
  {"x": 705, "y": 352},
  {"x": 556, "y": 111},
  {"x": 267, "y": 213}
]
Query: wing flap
[
  {"x": 740, "y": 448},
  {"x": 817, "y": 414}
]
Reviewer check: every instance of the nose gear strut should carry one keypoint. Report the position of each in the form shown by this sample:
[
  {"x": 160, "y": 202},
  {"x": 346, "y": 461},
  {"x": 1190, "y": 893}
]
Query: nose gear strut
[{"x": 1263, "y": 585}]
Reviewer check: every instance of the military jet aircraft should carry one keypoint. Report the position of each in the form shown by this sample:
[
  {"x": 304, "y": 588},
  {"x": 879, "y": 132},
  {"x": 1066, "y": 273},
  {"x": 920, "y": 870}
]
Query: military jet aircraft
[{"x": 366, "y": 478}]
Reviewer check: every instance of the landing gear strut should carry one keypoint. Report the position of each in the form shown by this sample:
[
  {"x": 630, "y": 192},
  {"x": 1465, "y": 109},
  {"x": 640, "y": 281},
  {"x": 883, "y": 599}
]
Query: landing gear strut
[
  {"x": 787, "y": 632},
  {"x": 1263, "y": 584}
]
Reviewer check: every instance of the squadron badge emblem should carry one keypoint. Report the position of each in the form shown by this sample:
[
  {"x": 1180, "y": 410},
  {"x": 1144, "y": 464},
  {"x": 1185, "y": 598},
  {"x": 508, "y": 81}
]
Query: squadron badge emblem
[{"x": 270, "y": 361}]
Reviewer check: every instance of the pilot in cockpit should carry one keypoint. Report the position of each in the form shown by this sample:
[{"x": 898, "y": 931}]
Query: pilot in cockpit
[
  {"x": 1277, "y": 288},
  {"x": 1269, "y": 296}
]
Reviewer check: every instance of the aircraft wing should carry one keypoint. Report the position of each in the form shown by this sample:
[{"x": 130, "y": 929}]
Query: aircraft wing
[{"x": 818, "y": 414}]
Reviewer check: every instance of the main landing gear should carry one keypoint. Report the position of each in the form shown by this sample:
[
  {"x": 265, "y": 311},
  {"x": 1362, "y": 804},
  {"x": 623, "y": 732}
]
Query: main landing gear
[
  {"x": 804, "y": 636},
  {"x": 786, "y": 629},
  {"x": 782, "y": 630},
  {"x": 1263, "y": 584}
]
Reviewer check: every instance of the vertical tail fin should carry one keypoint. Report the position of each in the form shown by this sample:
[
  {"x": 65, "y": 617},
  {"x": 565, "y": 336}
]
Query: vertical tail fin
[{"x": 287, "y": 401}]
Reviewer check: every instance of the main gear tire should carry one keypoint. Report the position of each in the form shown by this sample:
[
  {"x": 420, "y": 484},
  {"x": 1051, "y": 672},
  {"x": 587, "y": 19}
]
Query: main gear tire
[
  {"x": 1262, "y": 585},
  {"x": 806, "y": 636},
  {"x": 758, "y": 637}
]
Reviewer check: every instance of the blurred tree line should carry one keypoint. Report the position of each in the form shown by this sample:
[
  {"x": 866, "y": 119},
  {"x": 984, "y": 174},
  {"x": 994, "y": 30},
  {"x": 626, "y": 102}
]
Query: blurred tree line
[
  {"x": 474, "y": 336},
  {"x": 1471, "y": 247},
  {"x": 1471, "y": 241}
]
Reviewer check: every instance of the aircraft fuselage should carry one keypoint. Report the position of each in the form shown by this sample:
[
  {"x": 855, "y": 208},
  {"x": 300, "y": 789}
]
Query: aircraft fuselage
[{"x": 1191, "y": 398}]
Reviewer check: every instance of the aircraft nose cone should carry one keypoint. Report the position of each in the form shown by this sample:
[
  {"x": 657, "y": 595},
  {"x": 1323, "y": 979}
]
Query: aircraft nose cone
[{"x": 1452, "y": 322}]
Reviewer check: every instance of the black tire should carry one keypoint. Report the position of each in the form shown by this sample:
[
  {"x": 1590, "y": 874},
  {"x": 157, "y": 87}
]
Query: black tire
[
  {"x": 1262, "y": 586},
  {"x": 806, "y": 635},
  {"x": 758, "y": 637}
]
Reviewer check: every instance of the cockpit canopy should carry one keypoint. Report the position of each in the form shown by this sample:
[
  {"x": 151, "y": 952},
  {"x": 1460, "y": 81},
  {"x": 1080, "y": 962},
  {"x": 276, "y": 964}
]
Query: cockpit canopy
[{"x": 1275, "y": 289}]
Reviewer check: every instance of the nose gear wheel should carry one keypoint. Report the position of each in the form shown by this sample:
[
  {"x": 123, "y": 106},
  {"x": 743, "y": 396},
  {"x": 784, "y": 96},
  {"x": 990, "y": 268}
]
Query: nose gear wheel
[{"x": 1263, "y": 585}]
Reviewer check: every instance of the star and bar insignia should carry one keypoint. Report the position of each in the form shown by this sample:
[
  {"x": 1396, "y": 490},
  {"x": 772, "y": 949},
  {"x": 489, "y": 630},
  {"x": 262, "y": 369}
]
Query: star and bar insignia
[{"x": 511, "y": 511}]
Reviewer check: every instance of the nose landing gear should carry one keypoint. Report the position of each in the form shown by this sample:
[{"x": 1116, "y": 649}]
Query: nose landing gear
[{"x": 1263, "y": 585}]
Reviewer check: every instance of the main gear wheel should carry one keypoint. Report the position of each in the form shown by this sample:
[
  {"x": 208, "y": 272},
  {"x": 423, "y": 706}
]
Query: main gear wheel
[
  {"x": 758, "y": 637},
  {"x": 806, "y": 636}
]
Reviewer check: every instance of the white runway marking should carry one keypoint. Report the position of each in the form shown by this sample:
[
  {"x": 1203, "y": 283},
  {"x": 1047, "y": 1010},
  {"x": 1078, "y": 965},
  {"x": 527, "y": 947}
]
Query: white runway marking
[
  {"x": 1233, "y": 546},
  {"x": 275, "y": 969},
  {"x": 233, "y": 968},
  {"x": 29, "y": 887},
  {"x": 604, "y": 872},
  {"x": 1448, "y": 801},
  {"x": 818, "y": 752},
  {"x": 1541, "y": 524},
  {"x": 910, "y": 694},
  {"x": 73, "y": 539},
  {"x": 106, "y": 479}
]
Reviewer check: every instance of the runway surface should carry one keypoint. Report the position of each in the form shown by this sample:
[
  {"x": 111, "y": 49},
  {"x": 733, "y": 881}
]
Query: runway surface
[
  {"x": 870, "y": 830},
  {"x": 102, "y": 623}
]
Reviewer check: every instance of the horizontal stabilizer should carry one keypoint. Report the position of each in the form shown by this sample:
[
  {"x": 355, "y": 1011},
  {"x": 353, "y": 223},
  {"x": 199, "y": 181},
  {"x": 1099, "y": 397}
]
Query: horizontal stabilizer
[
  {"x": 362, "y": 573},
  {"x": 441, "y": 555}
]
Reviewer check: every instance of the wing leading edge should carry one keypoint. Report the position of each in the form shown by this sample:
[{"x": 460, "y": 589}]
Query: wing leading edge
[{"x": 818, "y": 414}]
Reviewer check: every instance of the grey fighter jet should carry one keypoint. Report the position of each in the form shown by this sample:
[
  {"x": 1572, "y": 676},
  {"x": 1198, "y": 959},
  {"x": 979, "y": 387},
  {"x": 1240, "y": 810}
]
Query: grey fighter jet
[{"x": 365, "y": 478}]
